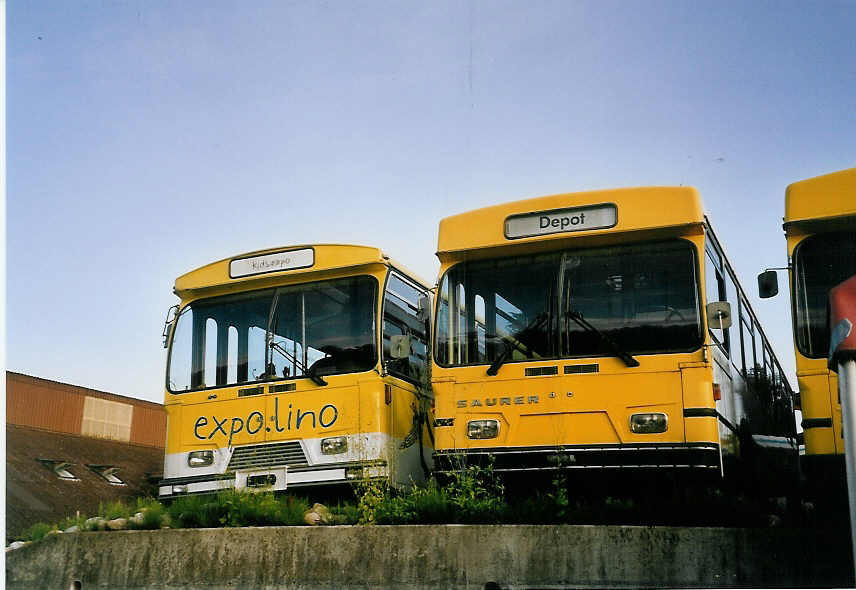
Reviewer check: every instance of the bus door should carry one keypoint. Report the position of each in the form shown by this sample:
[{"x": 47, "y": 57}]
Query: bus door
[{"x": 406, "y": 391}]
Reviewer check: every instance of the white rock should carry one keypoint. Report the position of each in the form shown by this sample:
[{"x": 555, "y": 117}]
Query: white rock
[
  {"x": 312, "y": 518},
  {"x": 323, "y": 512},
  {"x": 117, "y": 524}
]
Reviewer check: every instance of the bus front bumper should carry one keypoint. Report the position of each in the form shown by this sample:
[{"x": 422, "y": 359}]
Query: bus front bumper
[
  {"x": 693, "y": 456},
  {"x": 277, "y": 479}
]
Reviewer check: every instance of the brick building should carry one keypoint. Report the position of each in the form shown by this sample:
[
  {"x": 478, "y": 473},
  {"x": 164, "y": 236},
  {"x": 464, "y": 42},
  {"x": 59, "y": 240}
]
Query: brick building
[{"x": 71, "y": 448}]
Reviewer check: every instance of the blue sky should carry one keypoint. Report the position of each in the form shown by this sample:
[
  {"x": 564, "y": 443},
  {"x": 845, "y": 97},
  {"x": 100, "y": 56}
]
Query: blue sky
[{"x": 145, "y": 139}]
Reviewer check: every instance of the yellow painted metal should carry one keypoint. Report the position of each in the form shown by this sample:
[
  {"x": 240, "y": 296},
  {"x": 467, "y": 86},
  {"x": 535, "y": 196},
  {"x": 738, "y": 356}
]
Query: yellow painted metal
[
  {"x": 817, "y": 404},
  {"x": 330, "y": 260},
  {"x": 646, "y": 209},
  {"x": 697, "y": 386},
  {"x": 823, "y": 198}
]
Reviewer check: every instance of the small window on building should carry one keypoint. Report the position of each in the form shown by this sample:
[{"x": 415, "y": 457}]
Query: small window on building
[
  {"x": 60, "y": 468},
  {"x": 107, "y": 419},
  {"x": 107, "y": 472}
]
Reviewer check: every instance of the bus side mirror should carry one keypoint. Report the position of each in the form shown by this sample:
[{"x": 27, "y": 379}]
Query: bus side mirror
[
  {"x": 768, "y": 284},
  {"x": 424, "y": 310},
  {"x": 719, "y": 315},
  {"x": 399, "y": 346},
  {"x": 171, "y": 314}
]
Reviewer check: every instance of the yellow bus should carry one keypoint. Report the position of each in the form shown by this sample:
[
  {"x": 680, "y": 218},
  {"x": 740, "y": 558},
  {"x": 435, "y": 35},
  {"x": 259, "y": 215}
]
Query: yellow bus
[
  {"x": 600, "y": 331},
  {"x": 820, "y": 227},
  {"x": 294, "y": 367}
]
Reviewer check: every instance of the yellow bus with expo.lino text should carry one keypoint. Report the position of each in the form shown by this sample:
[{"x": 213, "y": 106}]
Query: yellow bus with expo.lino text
[
  {"x": 601, "y": 331},
  {"x": 820, "y": 228},
  {"x": 294, "y": 367}
]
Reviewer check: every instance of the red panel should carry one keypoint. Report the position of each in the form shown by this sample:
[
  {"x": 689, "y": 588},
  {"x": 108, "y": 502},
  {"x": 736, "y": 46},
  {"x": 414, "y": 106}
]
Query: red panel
[{"x": 842, "y": 320}]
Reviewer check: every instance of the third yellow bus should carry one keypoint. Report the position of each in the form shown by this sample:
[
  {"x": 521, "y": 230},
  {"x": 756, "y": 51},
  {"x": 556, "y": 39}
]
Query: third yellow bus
[{"x": 820, "y": 227}]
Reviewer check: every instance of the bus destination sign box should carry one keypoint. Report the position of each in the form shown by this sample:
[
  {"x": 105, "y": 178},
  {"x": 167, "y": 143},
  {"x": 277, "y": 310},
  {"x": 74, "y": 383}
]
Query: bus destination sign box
[
  {"x": 573, "y": 219},
  {"x": 278, "y": 261}
]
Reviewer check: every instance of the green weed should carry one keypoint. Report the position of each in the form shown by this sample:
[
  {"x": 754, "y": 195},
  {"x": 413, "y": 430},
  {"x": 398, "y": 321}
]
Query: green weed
[
  {"x": 114, "y": 509},
  {"x": 71, "y": 521},
  {"x": 153, "y": 512},
  {"x": 37, "y": 532}
]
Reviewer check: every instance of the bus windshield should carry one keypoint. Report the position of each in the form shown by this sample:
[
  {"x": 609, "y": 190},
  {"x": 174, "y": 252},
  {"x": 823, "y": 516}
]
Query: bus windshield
[
  {"x": 821, "y": 262},
  {"x": 321, "y": 328},
  {"x": 642, "y": 297}
]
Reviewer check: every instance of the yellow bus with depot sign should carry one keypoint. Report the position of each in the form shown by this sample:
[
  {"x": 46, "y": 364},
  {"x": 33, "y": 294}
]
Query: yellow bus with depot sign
[
  {"x": 601, "y": 330},
  {"x": 299, "y": 366}
]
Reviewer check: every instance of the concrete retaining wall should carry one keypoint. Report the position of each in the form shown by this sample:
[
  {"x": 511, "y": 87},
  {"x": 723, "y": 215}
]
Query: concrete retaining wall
[{"x": 454, "y": 556}]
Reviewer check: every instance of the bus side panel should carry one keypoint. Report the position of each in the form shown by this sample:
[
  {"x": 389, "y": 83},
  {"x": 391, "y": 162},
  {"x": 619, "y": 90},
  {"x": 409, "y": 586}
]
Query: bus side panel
[
  {"x": 816, "y": 403},
  {"x": 406, "y": 430},
  {"x": 173, "y": 432},
  {"x": 444, "y": 400},
  {"x": 697, "y": 386}
]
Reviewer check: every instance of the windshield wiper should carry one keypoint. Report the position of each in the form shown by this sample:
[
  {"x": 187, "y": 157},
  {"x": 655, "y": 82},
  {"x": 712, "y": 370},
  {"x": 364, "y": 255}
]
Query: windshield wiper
[
  {"x": 307, "y": 371},
  {"x": 512, "y": 342},
  {"x": 578, "y": 318},
  {"x": 500, "y": 359}
]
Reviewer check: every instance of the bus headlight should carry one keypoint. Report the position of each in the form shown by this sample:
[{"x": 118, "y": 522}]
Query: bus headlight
[
  {"x": 200, "y": 458},
  {"x": 334, "y": 445},
  {"x": 649, "y": 423},
  {"x": 481, "y": 429}
]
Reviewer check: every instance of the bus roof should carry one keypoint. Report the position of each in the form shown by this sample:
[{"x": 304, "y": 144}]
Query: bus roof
[
  {"x": 822, "y": 197},
  {"x": 631, "y": 209},
  {"x": 272, "y": 264}
]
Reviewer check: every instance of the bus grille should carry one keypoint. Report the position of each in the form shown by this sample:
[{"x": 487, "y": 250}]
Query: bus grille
[{"x": 287, "y": 453}]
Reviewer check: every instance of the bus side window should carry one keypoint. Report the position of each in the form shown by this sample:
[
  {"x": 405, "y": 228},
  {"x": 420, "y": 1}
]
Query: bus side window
[
  {"x": 232, "y": 347},
  {"x": 442, "y": 320},
  {"x": 748, "y": 344},
  {"x": 401, "y": 317},
  {"x": 180, "y": 376},
  {"x": 731, "y": 297},
  {"x": 210, "y": 354},
  {"x": 715, "y": 291},
  {"x": 480, "y": 328}
]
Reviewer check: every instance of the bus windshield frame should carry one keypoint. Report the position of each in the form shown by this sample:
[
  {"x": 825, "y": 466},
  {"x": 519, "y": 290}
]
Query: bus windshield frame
[
  {"x": 297, "y": 331},
  {"x": 820, "y": 262},
  {"x": 523, "y": 308}
]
